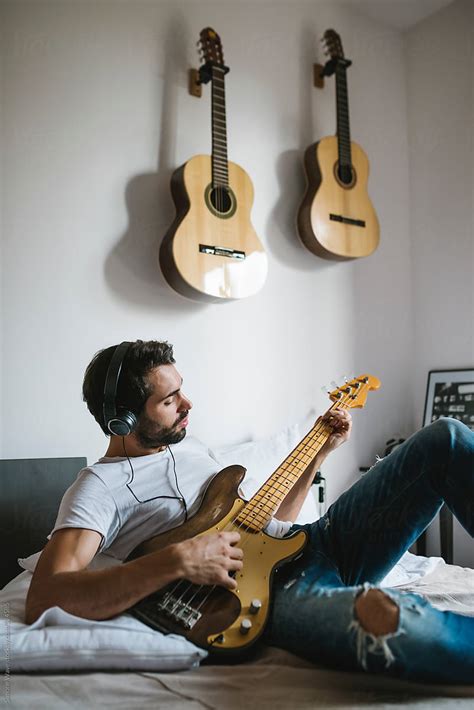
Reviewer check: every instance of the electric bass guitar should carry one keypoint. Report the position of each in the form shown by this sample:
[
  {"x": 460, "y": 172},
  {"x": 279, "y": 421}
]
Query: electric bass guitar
[
  {"x": 216, "y": 618},
  {"x": 211, "y": 251},
  {"x": 336, "y": 219}
]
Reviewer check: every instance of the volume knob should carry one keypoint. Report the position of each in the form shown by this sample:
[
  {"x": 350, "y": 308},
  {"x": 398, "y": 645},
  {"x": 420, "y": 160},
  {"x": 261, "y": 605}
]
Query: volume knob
[
  {"x": 255, "y": 606},
  {"x": 245, "y": 626}
]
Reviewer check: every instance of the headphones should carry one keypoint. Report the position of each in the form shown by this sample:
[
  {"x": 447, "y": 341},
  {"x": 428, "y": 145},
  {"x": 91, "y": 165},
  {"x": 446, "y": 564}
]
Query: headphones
[{"x": 118, "y": 420}]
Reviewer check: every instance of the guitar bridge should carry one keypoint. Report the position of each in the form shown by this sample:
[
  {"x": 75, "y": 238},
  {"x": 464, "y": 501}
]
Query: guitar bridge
[
  {"x": 179, "y": 611},
  {"x": 346, "y": 220},
  {"x": 221, "y": 251}
]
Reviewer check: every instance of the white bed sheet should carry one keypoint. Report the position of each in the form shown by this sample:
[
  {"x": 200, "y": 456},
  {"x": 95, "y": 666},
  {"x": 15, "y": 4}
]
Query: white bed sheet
[{"x": 276, "y": 680}]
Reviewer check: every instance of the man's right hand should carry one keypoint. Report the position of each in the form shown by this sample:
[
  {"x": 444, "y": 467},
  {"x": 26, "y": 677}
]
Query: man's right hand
[
  {"x": 62, "y": 579},
  {"x": 208, "y": 559}
]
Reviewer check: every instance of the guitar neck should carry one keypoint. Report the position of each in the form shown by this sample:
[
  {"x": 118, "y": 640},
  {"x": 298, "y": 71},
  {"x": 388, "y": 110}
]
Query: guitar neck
[
  {"x": 261, "y": 508},
  {"x": 220, "y": 168},
  {"x": 342, "y": 111}
]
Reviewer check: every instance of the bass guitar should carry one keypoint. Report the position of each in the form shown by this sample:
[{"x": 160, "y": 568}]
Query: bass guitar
[
  {"x": 216, "y": 618},
  {"x": 211, "y": 251},
  {"x": 336, "y": 219}
]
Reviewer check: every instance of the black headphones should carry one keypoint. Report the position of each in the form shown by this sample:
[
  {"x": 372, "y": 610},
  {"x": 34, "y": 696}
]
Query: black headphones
[{"x": 118, "y": 420}]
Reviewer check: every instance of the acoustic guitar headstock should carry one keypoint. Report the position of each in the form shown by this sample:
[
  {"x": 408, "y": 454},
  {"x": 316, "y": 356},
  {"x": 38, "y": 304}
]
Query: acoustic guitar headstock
[
  {"x": 333, "y": 45},
  {"x": 211, "y": 47},
  {"x": 354, "y": 392}
]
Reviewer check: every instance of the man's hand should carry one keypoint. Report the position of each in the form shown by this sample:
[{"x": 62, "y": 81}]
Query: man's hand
[
  {"x": 340, "y": 422},
  {"x": 208, "y": 559}
]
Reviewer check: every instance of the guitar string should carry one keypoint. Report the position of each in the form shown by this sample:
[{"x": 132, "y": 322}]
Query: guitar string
[
  {"x": 241, "y": 526},
  {"x": 248, "y": 534}
]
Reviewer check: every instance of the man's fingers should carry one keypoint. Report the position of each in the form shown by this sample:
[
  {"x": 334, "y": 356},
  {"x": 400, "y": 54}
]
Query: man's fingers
[
  {"x": 228, "y": 582},
  {"x": 230, "y": 537},
  {"x": 338, "y": 419},
  {"x": 235, "y": 565}
]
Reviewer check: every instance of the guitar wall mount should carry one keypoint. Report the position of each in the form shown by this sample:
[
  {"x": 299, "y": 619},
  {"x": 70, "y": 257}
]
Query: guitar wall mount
[
  {"x": 328, "y": 69},
  {"x": 198, "y": 77}
]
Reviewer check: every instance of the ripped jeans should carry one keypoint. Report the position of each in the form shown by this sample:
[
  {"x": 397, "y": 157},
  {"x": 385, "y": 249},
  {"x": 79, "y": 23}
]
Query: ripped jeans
[{"x": 354, "y": 546}]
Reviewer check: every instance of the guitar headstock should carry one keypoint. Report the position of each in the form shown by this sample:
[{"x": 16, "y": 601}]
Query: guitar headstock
[
  {"x": 333, "y": 45},
  {"x": 354, "y": 392},
  {"x": 211, "y": 47}
]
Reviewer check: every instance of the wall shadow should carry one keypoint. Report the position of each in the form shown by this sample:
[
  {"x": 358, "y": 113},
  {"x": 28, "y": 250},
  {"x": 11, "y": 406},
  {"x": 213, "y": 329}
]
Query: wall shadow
[
  {"x": 132, "y": 268},
  {"x": 284, "y": 241}
]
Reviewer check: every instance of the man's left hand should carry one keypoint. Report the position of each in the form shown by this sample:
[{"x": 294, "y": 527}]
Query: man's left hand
[{"x": 340, "y": 423}]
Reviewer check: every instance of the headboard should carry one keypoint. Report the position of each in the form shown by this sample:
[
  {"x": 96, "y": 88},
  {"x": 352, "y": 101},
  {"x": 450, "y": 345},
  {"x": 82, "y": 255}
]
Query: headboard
[{"x": 30, "y": 494}]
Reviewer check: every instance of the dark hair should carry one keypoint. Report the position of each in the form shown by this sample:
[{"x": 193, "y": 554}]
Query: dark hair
[{"x": 133, "y": 389}]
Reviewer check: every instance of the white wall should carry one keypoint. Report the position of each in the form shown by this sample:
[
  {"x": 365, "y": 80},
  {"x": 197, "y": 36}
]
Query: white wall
[
  {"x": 440, "y": 63},
  {"x": 97, "y": 115}
]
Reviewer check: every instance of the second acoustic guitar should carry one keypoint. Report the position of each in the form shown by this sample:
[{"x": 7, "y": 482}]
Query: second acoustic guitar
[{"x": 336, "y": 219}]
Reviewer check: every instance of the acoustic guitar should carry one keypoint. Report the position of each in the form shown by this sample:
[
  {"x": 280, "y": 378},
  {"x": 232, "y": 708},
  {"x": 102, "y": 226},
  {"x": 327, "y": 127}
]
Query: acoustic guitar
[
  {"x": 336, "y": 219},
  {"x": 216, "y": 618},
  {"x": 211, "y": 251}
]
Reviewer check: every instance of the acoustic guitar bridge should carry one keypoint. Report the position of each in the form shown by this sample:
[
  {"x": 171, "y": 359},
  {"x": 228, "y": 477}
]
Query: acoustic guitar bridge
[
  {"x": 347, "y": 220},
  {"x": 221, "y": 251}
]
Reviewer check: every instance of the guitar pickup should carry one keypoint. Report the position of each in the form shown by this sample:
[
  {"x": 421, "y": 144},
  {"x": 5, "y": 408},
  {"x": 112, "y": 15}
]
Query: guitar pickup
[
  {"x": 221, "y": 251},
  {"x": 347, "y": 220}
]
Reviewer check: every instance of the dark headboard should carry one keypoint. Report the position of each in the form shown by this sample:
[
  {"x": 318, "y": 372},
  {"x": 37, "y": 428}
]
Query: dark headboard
[{"x": 30, "y": 494}]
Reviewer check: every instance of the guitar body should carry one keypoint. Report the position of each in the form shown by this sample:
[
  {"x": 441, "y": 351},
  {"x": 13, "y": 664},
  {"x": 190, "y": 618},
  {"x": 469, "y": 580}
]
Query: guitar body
[
  {"x": 211, "y": 617},
  {"x": 211, "y": 252},
  {"x": 337, "y": 221}
]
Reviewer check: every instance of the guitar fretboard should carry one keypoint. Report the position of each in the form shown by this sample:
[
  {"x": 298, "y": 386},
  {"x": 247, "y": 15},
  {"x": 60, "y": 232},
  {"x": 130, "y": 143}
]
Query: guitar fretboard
[
  {"x": 220, "y": 168},
  {"x": 261, "y": 508},
  {"x": 342, "y": 110}
]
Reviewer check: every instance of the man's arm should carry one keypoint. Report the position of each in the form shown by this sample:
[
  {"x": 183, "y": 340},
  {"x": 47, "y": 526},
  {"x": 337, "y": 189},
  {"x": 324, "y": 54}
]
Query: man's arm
[
  {"x": 60, "y": 578},
  {"x": 340, "y": 422}
]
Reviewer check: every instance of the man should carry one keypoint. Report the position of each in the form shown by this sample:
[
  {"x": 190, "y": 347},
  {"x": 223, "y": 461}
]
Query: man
[{"x": 325, "y": 605}]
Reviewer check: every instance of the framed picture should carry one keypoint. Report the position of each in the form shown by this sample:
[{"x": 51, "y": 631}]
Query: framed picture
[{"x": 450, "y": 393}]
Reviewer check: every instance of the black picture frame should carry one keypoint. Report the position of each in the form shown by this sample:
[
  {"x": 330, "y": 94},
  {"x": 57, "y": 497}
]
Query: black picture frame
[{"x": 450, "y": 393}]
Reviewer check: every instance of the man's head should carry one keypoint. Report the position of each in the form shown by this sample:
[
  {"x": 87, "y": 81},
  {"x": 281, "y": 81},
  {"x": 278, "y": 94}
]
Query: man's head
[{"x": 148, "y": 385}]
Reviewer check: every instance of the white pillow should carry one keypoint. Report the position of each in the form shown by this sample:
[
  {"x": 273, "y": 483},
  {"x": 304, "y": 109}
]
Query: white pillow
[
  {"x": 262, "y": 457},
  {"x": 59, "y": 641}
]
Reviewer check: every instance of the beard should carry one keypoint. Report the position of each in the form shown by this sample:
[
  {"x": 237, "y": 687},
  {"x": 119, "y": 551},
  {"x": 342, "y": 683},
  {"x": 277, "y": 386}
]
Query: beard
[{"x": 151, "y": 436}]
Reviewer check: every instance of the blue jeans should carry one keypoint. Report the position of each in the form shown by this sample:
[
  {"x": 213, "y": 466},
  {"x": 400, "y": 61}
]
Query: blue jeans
[{"x": 353, "y": 547}]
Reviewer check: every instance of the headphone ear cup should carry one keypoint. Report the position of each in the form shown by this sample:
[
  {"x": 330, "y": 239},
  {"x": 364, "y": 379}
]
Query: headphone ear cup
[{"x": 123, "y": 424}]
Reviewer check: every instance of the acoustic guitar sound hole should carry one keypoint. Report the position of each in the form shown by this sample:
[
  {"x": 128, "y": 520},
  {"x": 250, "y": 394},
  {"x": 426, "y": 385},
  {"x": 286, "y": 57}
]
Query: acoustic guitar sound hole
[
  {"x": 221, "y": 200},
  {"x": 345, "y": 175}
]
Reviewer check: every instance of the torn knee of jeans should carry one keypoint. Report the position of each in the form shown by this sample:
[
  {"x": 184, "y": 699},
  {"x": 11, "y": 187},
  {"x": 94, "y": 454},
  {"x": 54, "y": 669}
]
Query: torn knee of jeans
[
  {"x": 376, "y": 612},
  {"x": 376, "y": 620}
]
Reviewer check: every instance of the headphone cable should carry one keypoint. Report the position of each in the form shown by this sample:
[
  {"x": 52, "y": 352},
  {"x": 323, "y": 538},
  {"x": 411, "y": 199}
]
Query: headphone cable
[{"x": 181, "y": 498}]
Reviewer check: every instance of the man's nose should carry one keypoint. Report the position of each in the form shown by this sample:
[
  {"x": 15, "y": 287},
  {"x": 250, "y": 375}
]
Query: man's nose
[{"x": 186, "y": 403}]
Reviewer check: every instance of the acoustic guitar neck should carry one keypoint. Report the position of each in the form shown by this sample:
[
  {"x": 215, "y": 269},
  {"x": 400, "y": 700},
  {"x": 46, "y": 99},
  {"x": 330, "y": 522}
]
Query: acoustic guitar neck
[
  {"x": 343, "y": 131},
  {"x": 220, "y": 165}
]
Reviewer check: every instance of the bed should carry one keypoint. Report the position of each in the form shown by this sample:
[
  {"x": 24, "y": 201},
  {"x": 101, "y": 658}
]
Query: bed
[{"x": 62, "y": 661}]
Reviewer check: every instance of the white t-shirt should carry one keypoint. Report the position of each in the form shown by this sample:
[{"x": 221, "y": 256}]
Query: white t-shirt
[{"x": 127, "y": 509}]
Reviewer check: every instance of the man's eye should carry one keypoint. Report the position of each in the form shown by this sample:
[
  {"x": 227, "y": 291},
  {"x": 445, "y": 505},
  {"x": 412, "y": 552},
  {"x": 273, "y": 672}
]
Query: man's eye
[{"x": 167, "y": 404}]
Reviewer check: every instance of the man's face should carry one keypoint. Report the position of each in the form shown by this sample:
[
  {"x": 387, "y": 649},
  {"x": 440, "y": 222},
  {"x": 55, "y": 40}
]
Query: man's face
[{"x": 165, "y": 415}]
